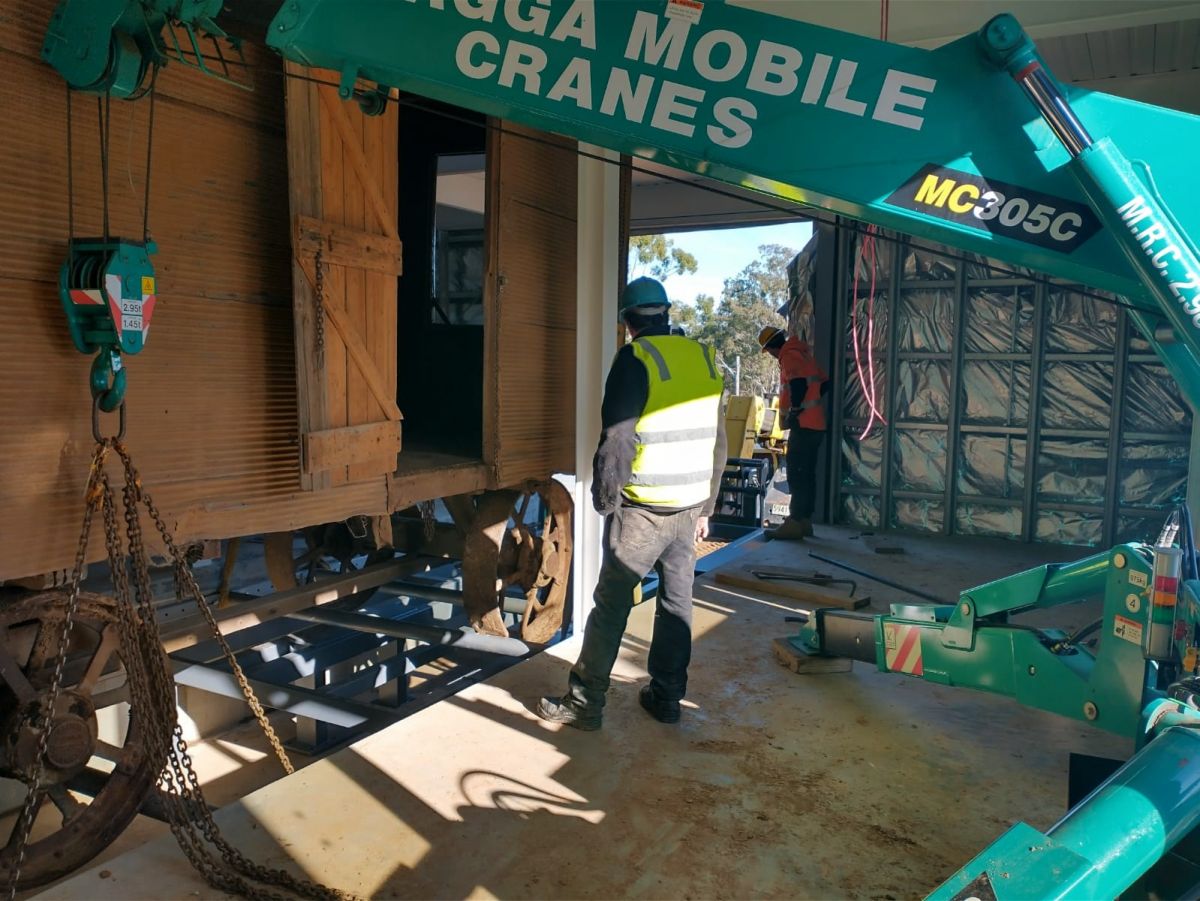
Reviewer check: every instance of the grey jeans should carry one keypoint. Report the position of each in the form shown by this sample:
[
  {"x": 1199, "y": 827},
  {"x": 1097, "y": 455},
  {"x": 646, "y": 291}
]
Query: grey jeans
[{"x": 637, "y": 540}]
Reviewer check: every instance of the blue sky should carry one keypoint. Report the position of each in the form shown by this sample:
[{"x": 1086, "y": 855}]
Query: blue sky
[{"x": 725, "y": 252}]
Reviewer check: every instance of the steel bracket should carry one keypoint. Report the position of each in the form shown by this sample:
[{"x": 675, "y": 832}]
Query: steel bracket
[{"x": 959, "y": 632}]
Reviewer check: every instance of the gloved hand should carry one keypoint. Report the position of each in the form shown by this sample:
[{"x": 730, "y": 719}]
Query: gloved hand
[
  {"x": 791, "y": 417},
  {"x": 701, "y": 528}
]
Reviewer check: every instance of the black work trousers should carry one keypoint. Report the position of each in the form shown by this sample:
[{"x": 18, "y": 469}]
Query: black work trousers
[
  {"x": 637, "y": 540},
  {"x": 803, "y": 447}
]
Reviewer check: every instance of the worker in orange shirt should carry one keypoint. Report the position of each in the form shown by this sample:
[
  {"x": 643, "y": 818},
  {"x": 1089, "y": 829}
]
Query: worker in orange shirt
[{"x": 803, "y": 385}]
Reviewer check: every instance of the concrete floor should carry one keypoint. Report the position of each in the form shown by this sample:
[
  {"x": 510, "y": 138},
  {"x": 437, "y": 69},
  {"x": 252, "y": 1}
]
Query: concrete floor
[{"x": 857, "y": 785}]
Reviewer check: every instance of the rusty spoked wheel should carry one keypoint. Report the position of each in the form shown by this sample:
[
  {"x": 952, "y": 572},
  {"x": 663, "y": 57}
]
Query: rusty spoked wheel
[
  {"x": 514, "y": 542},
  {"x": 69, "y": 830}
]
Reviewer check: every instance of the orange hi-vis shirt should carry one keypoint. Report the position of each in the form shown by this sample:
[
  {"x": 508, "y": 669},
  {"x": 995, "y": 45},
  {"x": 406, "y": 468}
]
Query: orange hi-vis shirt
[{"x": 796, "y": 361}]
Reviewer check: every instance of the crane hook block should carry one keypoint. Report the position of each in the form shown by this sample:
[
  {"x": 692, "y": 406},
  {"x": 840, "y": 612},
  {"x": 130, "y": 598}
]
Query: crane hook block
[{"x": 107, "y": 289}]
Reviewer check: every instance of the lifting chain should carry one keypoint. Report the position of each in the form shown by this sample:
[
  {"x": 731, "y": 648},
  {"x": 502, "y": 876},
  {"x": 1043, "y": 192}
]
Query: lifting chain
[
  {"x": 319, "y": 309},
  {"x": 152, "y": 692}
]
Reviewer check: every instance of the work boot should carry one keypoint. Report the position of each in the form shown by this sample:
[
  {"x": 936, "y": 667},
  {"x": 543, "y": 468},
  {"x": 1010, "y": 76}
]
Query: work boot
[
  {"x": 661, "y": 709},
  {"x": 791, "y": 530},
  {"x": 567, "y": 711}
]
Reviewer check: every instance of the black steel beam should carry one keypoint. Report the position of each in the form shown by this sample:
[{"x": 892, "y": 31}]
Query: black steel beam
[
  {"x": 194, "y": 629},
  {"x": 466, "y": 637}
]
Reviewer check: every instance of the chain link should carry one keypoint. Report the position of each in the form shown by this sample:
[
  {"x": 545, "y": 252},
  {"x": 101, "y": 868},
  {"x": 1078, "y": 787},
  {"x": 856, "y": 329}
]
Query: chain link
[
  {"x": 152, "y": 694},
  {"x": 319, "y": 309},
  {"x": 45, "y": 717}
]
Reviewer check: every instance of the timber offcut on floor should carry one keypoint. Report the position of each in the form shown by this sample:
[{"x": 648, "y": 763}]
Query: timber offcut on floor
[{"x": 842, "y": 785}]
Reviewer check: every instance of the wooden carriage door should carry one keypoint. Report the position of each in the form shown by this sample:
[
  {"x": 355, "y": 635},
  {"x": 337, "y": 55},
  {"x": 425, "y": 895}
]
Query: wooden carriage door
[
  {"x": 342, "y": 173},
  {"x": 530, "y": 355}
]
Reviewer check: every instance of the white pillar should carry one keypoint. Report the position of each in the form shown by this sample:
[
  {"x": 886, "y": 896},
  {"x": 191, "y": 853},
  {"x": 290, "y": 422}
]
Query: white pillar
[{"x": 597, "y": 258}]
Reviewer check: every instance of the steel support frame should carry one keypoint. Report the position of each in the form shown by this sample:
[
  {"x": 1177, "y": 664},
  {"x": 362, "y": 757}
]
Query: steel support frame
[
  {"x": 892, "y": 380},
  {"x": 1034, "y": 433}
]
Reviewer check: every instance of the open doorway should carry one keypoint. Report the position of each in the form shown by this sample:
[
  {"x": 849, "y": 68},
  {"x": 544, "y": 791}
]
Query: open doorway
[{"x": 440, "y": 334}]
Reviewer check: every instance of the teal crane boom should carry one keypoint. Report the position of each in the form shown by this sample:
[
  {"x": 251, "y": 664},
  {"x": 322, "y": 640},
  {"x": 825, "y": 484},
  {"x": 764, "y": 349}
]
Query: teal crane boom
[{"x": 972, "y": 145}]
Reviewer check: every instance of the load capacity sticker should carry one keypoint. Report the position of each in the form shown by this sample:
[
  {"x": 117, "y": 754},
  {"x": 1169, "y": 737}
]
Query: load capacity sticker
[
  {"x": 998, "y": 207},
  {"x": 1128, "y": 629}
]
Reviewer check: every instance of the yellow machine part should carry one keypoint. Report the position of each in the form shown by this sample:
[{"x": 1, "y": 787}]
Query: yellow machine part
[
  {"x": 752, "y": 424},
  {"x": 743, "y": 422},
  {"x": 770, "y": 431}
]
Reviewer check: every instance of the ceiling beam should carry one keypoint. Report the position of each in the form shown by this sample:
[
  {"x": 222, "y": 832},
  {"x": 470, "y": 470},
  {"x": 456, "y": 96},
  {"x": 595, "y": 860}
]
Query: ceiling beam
[{"x": 930, "y": 23}]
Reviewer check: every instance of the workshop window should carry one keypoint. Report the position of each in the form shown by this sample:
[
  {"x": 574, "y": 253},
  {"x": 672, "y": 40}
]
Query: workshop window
[{"x": 458, "y": 239}]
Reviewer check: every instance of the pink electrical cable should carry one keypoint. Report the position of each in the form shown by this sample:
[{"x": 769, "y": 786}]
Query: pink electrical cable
[
  {"x": 871, "y": 328},
  {"x": 873, "y": 394},
  {"x": 866, "y": 375}
]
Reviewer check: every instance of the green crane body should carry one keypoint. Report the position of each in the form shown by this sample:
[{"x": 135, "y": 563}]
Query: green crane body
[{"x": 972, "y": 145}]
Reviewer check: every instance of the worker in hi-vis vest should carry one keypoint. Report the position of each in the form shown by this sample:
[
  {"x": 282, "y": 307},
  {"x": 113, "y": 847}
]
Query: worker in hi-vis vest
[
  {"x": 802, "y": 389},
  {"x": 656, "y": 476}
]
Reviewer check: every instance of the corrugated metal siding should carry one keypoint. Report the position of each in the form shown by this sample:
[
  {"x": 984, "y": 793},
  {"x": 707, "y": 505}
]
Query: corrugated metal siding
[
  {"x": 536, "y": 340},
  {"x": 212, "y": 400},
  {"x": 1124, "y": 52}
]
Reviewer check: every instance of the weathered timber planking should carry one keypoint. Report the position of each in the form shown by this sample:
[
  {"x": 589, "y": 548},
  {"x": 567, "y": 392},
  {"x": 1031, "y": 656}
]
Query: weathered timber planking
[{"x": 377, "y": 442}]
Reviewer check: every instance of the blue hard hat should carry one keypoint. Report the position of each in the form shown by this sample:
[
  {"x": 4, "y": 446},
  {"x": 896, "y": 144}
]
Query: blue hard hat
[{"x": 644, "y": 292}]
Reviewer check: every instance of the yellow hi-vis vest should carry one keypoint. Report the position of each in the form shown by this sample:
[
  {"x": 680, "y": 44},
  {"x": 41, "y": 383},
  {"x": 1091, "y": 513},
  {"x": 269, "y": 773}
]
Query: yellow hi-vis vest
[{"x": 677, "y": 431}]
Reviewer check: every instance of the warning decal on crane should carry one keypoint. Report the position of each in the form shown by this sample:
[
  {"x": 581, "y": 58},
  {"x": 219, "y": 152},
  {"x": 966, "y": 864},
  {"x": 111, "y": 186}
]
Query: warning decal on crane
[
  {"x": 902, "y": 647},
  {"x": 1000, "y": 208},
  {"x": 981, "y": 889}
]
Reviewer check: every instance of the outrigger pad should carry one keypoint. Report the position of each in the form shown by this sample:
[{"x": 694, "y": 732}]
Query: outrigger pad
[{"x": 800, "y": 662}]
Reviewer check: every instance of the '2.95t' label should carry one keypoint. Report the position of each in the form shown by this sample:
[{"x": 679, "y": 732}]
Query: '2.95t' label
[{"x": 994, "y": 206}]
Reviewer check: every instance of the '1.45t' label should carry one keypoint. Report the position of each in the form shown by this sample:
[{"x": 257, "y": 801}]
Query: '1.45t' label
[{"x": 994, "y": 206}]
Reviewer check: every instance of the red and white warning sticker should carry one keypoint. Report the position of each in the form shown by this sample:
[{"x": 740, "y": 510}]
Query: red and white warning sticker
[
  {"x": 1127, "y": 629},
  {"x": 688, "y": 10},
  {"x": 902, "y": 649}
]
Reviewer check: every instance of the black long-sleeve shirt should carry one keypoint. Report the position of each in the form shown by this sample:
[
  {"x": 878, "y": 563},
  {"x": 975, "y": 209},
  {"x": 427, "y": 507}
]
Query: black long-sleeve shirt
[{"x": 625, "y": 394}]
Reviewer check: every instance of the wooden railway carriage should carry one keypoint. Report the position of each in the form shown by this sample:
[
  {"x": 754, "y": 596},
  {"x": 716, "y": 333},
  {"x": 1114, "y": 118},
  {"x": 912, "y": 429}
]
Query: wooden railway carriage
[
  {"x": 355, "y": 315},
  {"x": 253, "y": 409}
]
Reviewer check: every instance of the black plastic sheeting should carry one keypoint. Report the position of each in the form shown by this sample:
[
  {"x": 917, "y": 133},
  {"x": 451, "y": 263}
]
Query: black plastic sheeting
[
  {"x": 995, "y": 392},
  {"x": 1076, "y": 394},
  {"x": 999, "y": 320},
  {"x": 1153, "y": 474},
  {"x": 919, "y": 460},
  {"x": 938, "y": 263},
  {"x": 991, "y": 466},
  {"x": 802, "y": 286},
  {"x": 1068, "y": 527},
  {"x": 1140, "y": 528},
  {"x": 855, "y": 402},
  {"x": 1153, "y": 402},
  {"x": 1072, "y": 471},
  {"x": 884, "y": 254},
  {"x": 1079, "y": 325},
  {"x": 860, "y": 510},
  {"x": 861, "y": 459},
  {"x": 924, "y": 265},
  {"x": 922, "y": 391},
  {"x": 975, "y": 518},
  {"x": 918, "y": 514},
  {"x": 926, "y": 321}
]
